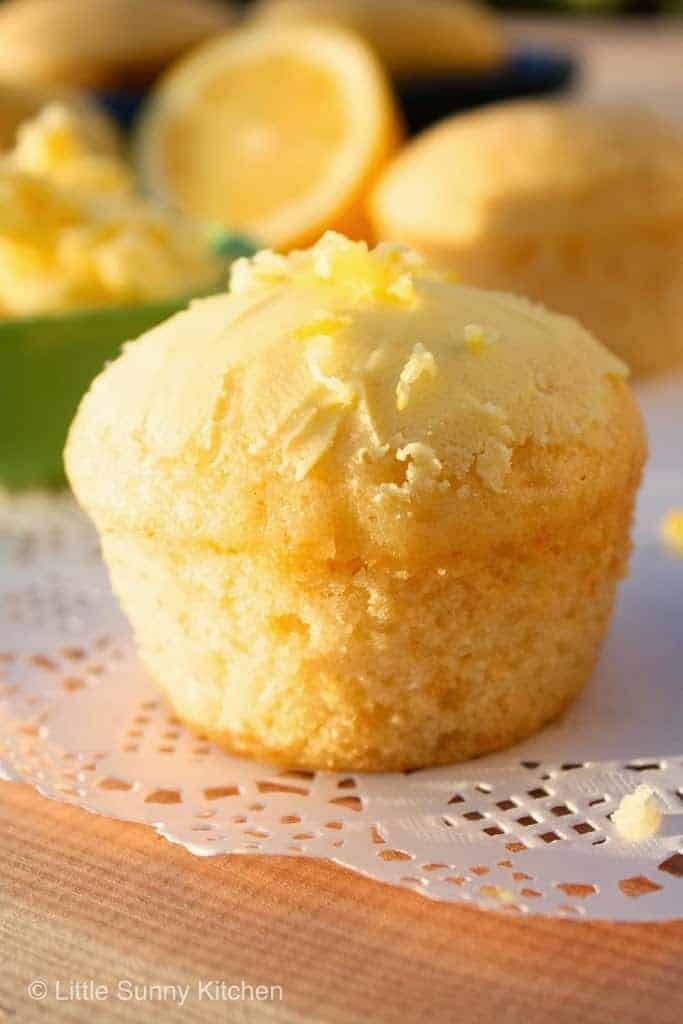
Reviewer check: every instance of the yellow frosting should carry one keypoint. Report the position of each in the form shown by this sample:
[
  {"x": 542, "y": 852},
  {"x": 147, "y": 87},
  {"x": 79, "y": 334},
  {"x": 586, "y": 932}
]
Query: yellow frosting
[
  {"x": 420, "y": 363},
  {"x": 363, "y": 368},
  {"x": 357, "y": 274},
  {"x": 59, "y": 146},
  {"x": 511, "y": 372},
  {"x": 72, "y": 234}
]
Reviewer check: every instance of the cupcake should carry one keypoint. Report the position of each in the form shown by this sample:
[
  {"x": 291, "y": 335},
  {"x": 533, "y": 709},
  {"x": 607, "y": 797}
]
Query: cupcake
[
  {"x": 580, "y": 209},
  {"x": 362, "y": 517}
]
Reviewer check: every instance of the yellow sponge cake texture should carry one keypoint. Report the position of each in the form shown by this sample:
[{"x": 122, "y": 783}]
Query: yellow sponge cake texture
[{"x": 362, "y": 517}]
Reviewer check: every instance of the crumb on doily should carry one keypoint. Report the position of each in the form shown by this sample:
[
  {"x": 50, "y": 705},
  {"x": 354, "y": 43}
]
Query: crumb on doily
[
  {"x": 498, "y": 892},
  {"x": 639, "y": 815},
  {"x": 671, "y": 530}
]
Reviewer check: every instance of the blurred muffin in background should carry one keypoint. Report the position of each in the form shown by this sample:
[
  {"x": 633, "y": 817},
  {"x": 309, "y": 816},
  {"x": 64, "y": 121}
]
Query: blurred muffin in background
[
  {"x": 581, "y": 209},
  {"x": 412, "y": 37},
  {"x": 100, "y": 43},
  {"x": 279, "y": 133},
  {"x": 72, "y": 233}
]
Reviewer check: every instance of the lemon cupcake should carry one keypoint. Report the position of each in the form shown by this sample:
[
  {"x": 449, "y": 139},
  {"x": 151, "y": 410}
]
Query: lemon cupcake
[
  {"x": 362, "y": 517},
  {"x": 580, "y": 209}
]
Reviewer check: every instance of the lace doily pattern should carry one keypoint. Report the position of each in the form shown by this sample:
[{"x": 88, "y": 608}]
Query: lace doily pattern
[{"x": 525, "y": 831}]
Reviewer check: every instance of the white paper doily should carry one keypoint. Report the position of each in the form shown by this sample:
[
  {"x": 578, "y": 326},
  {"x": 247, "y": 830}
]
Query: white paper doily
[{"x": 526, "y": 830}]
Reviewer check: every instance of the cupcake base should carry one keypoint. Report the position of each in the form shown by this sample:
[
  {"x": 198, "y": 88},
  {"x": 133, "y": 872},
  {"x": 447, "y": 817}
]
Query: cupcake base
[{"x": 374, "y": 668}]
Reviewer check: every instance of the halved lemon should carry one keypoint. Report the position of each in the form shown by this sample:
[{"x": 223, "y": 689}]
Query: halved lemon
[{"x": 278, "y": 133}]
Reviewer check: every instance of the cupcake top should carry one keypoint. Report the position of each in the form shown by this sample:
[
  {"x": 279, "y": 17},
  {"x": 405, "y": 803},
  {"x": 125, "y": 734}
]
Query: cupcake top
[
  {"x": 343, "y": 401},
  {"x": 523, "y": 169}
]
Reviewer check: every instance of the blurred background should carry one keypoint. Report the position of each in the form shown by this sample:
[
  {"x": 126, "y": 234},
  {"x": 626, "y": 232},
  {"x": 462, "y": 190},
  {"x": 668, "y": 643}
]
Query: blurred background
[{"x": 146, "y": 144}]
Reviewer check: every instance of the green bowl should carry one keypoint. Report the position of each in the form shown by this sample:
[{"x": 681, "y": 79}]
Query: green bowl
[{"x": 46, "y": 365}]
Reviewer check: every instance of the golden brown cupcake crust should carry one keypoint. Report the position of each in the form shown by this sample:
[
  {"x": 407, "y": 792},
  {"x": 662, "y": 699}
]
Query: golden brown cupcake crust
[
  {"x": 362, "y": 517},
  {"x": 294, "y": 417}
]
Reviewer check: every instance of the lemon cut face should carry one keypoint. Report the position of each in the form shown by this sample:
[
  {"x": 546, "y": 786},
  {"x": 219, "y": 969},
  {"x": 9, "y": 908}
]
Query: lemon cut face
[{"x": 275, "y": 133}]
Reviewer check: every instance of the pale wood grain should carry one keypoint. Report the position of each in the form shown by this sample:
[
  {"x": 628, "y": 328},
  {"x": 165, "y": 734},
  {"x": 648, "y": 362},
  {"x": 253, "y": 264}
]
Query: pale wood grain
[{"x": 83, "y": 896}]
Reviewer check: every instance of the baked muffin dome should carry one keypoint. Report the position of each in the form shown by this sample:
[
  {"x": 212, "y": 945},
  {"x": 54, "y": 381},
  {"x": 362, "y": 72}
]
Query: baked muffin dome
[
  {"x": 581, "y": 209},
  {"x": 362, "y": 517}
]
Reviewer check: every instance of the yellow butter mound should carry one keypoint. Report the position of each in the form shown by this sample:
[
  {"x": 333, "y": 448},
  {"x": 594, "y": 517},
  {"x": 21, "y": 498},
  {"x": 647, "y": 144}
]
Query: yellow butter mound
[{"x": 73, "y": 235}]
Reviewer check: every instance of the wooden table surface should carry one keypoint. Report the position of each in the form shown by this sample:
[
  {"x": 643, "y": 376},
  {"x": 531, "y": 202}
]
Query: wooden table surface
[
  {"x": 88, "y": 898},
  {"x": 87, "y": 901}
]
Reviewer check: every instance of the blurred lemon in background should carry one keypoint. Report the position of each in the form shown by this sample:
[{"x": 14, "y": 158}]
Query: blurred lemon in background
[
  {"x": 278, "y": 133},
  {"x": 100, "y": 43},
  {"x": 411, "y": 36}
]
